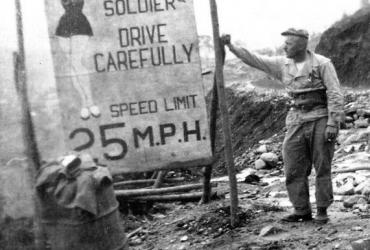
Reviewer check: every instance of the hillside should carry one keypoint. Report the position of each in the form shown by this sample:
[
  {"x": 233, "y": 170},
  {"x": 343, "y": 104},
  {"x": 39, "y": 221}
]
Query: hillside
[{"x": 347, "y": 43}]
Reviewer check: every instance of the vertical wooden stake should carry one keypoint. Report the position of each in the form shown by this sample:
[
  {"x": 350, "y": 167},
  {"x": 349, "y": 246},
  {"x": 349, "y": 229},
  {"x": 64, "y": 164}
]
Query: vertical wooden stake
[
  {"x": 207, "y": 171},
  {"x": 29, "y": 139},
  {"x": 159, "y": 181},
  {"x": 224, "y": 114}
]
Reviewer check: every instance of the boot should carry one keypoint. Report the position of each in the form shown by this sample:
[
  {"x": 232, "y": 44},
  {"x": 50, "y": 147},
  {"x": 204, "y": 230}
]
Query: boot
[
  {"x": 321, "y": 215},
  {"x": 297, "y": 218}
]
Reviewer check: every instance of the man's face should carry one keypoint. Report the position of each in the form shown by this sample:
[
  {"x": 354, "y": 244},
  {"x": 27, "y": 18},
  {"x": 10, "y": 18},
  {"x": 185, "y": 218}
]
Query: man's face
[{"x": 294, "y": 45}]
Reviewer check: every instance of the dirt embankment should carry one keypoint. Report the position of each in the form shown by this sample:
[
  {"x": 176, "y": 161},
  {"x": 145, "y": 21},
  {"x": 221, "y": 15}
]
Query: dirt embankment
[
  {"x": 347, "y": 44},
  {"x": 253, "y": 117}
]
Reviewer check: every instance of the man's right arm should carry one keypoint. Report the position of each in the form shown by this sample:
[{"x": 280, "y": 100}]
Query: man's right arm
[{"x": 271, "y": 65}]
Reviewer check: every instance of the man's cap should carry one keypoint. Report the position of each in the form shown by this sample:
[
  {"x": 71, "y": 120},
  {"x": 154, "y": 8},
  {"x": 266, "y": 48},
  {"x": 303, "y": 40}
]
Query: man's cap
[{"x": 296, "y": 32}]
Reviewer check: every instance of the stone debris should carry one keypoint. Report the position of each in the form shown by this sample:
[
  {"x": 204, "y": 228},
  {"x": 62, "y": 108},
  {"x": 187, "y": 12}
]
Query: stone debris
[
  {"x": 262, "y": 149},
  {"x": 363, "y": 244},
  {"x": 270, "y": 158},
  {"x": 260, "y": 164},
  {"x": 268, "y": 230},
  {"x": 252, "y": 179},
  {"x": 279, "y": 194},
  {"x": 184, "y": 238},
  {"x": 352, "y": 200}
]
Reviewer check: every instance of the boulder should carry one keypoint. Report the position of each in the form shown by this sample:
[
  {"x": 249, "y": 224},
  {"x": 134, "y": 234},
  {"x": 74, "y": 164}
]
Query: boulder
[
  {"x": 262, "y": 149},
  {"x": 270, "y": 158},
  {"x": 260, "y": 164},
  {"x": 361, "y": 123},
  {"x": 351, "y": 201}
]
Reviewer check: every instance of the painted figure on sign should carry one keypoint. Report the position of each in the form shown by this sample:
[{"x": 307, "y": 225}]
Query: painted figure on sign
[{"x": 74, "y": 32}]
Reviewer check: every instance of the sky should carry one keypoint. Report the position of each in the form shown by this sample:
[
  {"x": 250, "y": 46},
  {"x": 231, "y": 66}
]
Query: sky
[
  {"x": 259, "y": 23},
  {"x": 256, "y": 23}
]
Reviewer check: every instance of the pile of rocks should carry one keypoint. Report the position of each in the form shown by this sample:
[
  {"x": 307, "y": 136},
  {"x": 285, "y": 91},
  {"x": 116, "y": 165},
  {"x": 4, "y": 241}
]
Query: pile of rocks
[
  {"x": 357, "y": 110},
  {"x": 356, "y": 117},
  {"x": 265, "y": 155},
  {"x": 354, "y": 190}
]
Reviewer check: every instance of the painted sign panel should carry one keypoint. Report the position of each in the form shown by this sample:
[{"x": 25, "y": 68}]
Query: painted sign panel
[{"x": 129, "y": 81}]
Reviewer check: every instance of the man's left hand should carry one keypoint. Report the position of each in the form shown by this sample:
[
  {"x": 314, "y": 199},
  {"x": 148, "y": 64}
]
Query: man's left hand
[{"x": 331, "y": 133}]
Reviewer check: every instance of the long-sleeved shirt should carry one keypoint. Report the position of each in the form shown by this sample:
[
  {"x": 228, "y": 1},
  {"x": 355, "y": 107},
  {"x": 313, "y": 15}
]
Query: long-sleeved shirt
[{"x": 318, "y": 73}]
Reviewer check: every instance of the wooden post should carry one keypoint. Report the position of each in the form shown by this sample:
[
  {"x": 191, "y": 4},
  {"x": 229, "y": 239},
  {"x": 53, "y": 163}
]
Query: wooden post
[
  {"x": 207, "y": 171},
  {"x": 224, "y": 114},
  {"x": 158, "y": 182},
  {"x": 29, "y": 139}
]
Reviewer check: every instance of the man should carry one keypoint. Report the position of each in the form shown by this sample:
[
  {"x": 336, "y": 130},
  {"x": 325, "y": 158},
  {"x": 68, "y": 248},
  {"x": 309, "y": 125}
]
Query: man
[{"x": 312, "y": 122}]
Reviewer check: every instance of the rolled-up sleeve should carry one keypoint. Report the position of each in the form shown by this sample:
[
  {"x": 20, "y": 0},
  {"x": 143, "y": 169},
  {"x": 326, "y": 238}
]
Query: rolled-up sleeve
[
  {"x": 333, "y": 92},
  {"x": 271, "y": 65}
]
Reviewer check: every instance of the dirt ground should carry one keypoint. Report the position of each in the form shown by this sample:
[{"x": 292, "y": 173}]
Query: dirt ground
[{"x": 193, "y": 226}]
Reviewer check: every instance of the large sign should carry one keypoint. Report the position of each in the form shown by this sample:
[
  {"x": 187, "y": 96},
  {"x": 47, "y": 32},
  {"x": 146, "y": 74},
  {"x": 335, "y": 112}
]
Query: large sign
[{"x": 129, "y": 81}]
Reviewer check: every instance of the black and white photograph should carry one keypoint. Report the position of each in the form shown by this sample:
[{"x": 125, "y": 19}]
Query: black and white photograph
[{"x": 185, "y": 124}]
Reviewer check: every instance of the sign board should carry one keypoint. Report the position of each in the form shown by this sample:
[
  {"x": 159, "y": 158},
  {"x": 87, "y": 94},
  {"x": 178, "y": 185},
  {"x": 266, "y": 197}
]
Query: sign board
[{"x": 129, "y": 81}]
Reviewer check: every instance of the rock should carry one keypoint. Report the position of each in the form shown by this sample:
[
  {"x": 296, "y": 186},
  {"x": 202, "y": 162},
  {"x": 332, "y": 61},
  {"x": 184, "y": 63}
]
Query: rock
[
  {"x": 359, "y": 135},
  {"x": 262, "y": 149},
  {"x": 349, "y": 119},
  {"x": 359, "y": 178},
  {"x": 337, "y": 246},
  {"x": 349, "y": 125},
  {"x": 349, "y": 149},
  {"x": 267, "y": 141},
  {"x": 182, "y": 247},
  {"x": 361, "y": 123},
  {"x": 260, "y": 164},
  {"x": 252, "y": 179},
  {"x": 346, "y": 189},
  {"x": 361, "y": 207},
  {"x": 361, "y": 244},
  {"x": 360, "y": 187},
  {"x": 366, "y": 191},
  {"x": 357, "y": 229},
  {"x": 351, "y": 201},
  {"x": 135, "y": 241},
  {"x": 275, "y": 173},
  {"x": 362, "y": 201},
  {"x": 280, "y": 194},
  {"x": 269, "y": 230},
  {"x": 270, "y": 158},
  {"x": 360, "y": 112},
  {"x": 184, "y": 238}
]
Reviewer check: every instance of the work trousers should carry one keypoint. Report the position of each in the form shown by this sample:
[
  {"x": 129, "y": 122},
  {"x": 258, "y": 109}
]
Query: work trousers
[{"x": 305, "y": 145}]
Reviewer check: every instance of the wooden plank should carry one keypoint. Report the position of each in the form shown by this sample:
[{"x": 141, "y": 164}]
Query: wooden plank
[
  {"x": 123, "y": 184},
  {"x": 170, "y": 166},
  {"x": 173, "y": 197},
  {"x": 148, "y": 191}
]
